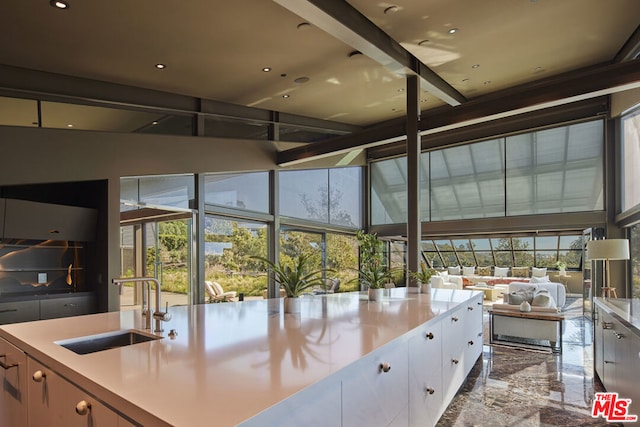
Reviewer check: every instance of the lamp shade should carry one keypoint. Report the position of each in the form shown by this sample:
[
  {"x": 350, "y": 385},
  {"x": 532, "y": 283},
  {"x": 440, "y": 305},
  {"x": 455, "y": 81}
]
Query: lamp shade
[{"x": 608, "y": 249}]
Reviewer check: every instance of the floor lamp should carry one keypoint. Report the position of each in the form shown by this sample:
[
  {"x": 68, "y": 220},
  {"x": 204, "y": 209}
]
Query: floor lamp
[{"x": 608, "y": 249}]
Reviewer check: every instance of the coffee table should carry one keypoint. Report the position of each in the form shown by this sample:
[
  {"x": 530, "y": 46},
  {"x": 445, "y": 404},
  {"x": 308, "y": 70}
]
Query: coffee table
[
  {"x": 504, "y": 325},
  {"x": 491, "y": 293}
]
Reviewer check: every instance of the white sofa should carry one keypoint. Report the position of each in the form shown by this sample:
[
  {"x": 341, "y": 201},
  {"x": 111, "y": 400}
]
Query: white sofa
[
  {"x": 446, "y": 281},
  {"x": 556, "y": 291}
]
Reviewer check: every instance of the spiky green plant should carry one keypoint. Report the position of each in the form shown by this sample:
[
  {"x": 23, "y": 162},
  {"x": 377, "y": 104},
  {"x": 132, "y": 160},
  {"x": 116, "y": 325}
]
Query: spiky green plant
[{"x": 297, "y": 279}]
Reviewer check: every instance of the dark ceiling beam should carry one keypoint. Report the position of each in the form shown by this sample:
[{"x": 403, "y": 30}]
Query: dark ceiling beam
[
  {"x": 344, "y": 22},
  {"x": 560, "y": 90},
  {"x": 631, "y": 49}
]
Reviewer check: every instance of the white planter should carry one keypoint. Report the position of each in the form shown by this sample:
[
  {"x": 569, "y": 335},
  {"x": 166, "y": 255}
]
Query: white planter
[
  {"x": 291, "y": 305},
  {"x": 425, "y": 288},
  {"x": 376, "y": 294}
]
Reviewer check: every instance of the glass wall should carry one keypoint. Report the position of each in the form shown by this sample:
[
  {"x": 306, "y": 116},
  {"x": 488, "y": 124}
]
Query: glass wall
[
  {"x": 468, "y": 181},
  {"x": 556, "y": 170},
  {"x": 634, "y": 246},
  {"x": 549, "y": 171},
  {"x": 249, "y": 191},
  {"x": 229, "y": 247},
  {"x": 505, "y": 251},
  {"x": 171, "y": 191},
  {"x": 331, "y": 196},
  {"x": 630, "y": 160}
]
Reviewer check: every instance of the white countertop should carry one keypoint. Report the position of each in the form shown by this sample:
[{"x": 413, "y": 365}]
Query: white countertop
[{"x": 229, "y": 361}]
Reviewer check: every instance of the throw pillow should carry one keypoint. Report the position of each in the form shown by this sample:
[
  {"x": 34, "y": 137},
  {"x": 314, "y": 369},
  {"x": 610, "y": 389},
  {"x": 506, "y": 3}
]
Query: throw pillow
[
  {"x": 454, "y": 271},
  {"x": 501, "y": 271},
  {"x": 538, "y": 272},
  {"x": 535, "y": 279},
  {"x": 444, "y": 274},
  {"x": 519, "y": 296},
  {"x": 437, "y": 281},
  {"x": 520, "y": 272},
  {"x": 468, "y": 271},
  {"x": 543, "y": 299},
  {"x": 484, "y": 271}
]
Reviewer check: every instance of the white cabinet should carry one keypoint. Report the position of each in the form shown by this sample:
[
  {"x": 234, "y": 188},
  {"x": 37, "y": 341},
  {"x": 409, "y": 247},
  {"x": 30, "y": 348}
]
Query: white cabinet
[
  {"x": 425, "y": 376},
  {"x": 317, "y": 405},
  {"x": 375, "y": 388},
  {"x": 13, "y": 393},
  {"x": 462, "y": 344},
  {"x": 55, "y": 402}
]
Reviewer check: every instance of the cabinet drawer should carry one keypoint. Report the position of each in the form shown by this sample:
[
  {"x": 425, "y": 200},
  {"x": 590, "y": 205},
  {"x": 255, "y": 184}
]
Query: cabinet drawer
[
  {"x": 19, "y": 311},
  {"x": 13, "y": 405},
  {"x": 65, "y": 307}
]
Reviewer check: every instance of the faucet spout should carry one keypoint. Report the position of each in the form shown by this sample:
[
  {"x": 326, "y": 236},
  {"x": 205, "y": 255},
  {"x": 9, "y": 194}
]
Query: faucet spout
[{"x": 159, "y": 315}]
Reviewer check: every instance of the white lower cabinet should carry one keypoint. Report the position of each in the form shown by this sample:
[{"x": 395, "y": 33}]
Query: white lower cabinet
[
  {"x": 375, "y": 388},
  {"x": 13, "y": 393},
  {"x": 55, "y": 402},
  {"x": 426, "y": 394}
]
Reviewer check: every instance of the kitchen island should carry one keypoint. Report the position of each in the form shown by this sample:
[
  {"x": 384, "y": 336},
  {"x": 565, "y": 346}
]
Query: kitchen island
[{"x": 342, "y": 361}]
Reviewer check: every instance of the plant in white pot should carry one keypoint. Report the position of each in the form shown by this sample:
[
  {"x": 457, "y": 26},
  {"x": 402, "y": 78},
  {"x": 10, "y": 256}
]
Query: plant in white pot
[
  {"x": 423, "y": 277},
  {"x": 294, "y": 280},
  {"x": 373, "y": 274}
]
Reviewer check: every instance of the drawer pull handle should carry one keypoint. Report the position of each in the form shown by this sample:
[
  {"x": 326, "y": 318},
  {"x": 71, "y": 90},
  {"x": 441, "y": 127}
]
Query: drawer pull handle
[
  {"x": 38, "y": 376},
  {"x": 454, "y": 318},
  {"x": 430, "y": 335},
  {"x": 385, "y": 367},
  {"x": 429, "y": 390},
  {"x": 83, "y": 407},
  {"x": 455, "y": 361},
  {"x": 470, "y": 308},
  {"x": 4, "y": 364},
  {"x": 479, "y": 303},
  {"x": 70, "y": 305},
  {"x": 607, "y": 325},
  {"x": 608, "y": 362},
  {"x": 10, "y": 310},
  {"x": 618, "y": 335},
  {"x": 470, "y": 342}
]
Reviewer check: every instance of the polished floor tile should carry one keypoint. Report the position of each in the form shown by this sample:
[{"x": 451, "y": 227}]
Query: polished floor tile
[{"x": 512, "y": 386}]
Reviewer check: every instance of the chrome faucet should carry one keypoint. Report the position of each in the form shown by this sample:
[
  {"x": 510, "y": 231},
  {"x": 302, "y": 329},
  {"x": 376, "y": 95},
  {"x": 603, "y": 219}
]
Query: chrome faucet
[{"x": 158, "y": 315}]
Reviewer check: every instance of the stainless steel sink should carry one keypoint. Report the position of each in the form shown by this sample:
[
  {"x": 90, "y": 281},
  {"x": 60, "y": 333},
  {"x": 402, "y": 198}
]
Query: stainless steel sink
[{"x": 101, "y": 342}]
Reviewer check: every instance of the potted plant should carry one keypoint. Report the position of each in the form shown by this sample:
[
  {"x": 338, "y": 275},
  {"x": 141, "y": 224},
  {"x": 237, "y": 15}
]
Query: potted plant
[
  {"x": 562, "y": 267},
  {"x": 423, "y": 277},
  {"x": 294, "y": 280},
  {"x": 373, "y": 274}
]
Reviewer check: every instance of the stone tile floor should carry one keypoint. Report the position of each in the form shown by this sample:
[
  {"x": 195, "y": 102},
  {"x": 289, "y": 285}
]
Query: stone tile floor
[{"x": 512, "y": 386}]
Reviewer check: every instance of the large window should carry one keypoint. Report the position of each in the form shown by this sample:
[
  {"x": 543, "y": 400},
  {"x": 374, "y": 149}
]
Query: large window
[
  {"x": 248, "y": 191},
  {"x": 330, "y": 196},
  {"x": 634, "y": 244},
  {"x": 556, "y": 170},
  {"x": 505, "y": 251},
  {"x": 549, "y": 171},
  {"x": 468, "y": 181},
  {"x": 631, "y": 160}
]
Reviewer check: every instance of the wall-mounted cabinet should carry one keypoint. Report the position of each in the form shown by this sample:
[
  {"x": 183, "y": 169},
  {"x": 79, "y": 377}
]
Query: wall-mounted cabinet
[{"x": 24, "y": 219}]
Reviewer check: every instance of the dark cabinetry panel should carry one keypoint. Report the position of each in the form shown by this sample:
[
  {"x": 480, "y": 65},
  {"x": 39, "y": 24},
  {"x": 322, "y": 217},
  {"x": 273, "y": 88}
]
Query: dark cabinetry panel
[
  {"x": 68, "y": 306},
  {"x": 19, "y": 311},
  {"x": 25, "y": 219}
]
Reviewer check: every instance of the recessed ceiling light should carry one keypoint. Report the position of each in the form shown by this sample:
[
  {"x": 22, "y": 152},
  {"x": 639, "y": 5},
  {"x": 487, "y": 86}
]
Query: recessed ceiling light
[
  {"x": 486, "y": 82},
  {"x": 301, "y": 80},
  {"x": 286, "y": 95},
  {"x": 59, "y": 4},
  {"x": 453, "y": 30},
  {"x": 475, "y": 66},
  {"x": 161, "y": 66},
  {"x": 465, "y": 80},
  {"x": 303, "y": 26},
  {"x": 401, "y": 90},
  {"x": 266, "y": 69},
  {"x": 69, "y": 125},
  {"x": 154, "y": 123},
  {"x": 423, "y": 42},
  {"x": 355, "y": 54}
]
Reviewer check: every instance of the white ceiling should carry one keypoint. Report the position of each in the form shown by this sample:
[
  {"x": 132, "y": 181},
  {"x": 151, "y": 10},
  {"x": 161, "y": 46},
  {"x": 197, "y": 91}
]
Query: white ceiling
[{"x": 217, "y": 50}]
